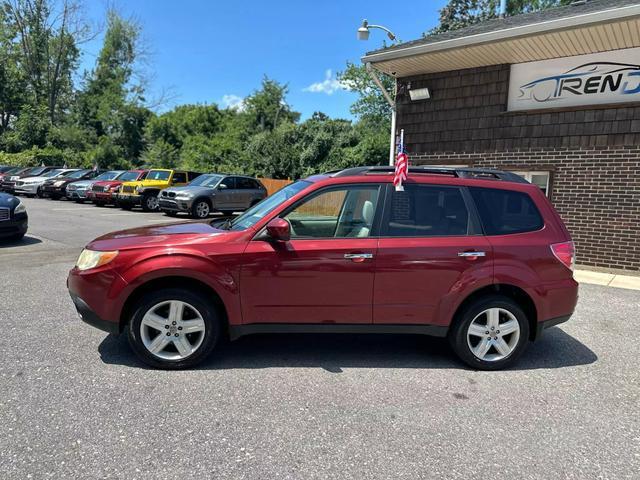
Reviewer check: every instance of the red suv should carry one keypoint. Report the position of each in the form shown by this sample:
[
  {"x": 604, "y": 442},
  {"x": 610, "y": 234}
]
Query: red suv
[{"x": 477, "y": 256}]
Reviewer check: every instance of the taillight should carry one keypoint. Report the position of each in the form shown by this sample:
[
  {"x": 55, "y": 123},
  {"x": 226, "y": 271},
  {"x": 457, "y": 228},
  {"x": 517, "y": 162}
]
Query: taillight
[{"x": 566, "y": 253}]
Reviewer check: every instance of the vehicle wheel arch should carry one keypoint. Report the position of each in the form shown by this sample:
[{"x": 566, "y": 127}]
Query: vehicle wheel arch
[
  {"x": 174, "y": 281},
  {"x": 522, "y": 298}
]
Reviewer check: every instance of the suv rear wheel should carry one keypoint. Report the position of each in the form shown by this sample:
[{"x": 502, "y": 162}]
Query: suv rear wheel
[
  {"x": 490, "y": 333},
  {"x": 173, "y": 328},
  {"x": 150, "y": 202}
]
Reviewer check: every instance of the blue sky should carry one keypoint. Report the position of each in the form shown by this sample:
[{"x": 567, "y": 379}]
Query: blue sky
[{"x": 212, "y": 51}]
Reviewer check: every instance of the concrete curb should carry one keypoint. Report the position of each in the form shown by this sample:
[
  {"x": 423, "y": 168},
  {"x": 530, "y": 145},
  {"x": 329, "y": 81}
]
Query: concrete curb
[{"x": 607, "y": 279}]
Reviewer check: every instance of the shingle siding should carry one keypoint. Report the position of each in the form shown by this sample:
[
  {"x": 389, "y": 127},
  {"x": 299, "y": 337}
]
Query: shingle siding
[{"x": 593, "y": 154}]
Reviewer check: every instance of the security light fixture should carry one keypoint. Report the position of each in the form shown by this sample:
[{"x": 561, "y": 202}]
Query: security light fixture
[
  {"x": 363, "y": 31},
  {"x": 419, "y": 94}
]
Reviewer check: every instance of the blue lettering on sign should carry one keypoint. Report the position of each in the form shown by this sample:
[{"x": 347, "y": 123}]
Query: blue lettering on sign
[{"x": 626, "y": 91}]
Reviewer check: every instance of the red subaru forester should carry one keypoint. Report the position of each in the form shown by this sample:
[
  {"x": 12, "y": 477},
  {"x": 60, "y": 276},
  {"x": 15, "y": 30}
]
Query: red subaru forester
[{"x": 478, "y": 256}]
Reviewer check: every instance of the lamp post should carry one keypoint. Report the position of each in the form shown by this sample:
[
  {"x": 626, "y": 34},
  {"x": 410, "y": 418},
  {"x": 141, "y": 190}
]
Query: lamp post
[{"x": 363, "y": 34}]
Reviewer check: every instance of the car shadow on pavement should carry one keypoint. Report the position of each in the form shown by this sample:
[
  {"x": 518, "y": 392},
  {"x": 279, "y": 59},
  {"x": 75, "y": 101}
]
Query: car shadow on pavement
[
  {"x": 333, "y": 353},
  {"x": 24, "y": 242}
]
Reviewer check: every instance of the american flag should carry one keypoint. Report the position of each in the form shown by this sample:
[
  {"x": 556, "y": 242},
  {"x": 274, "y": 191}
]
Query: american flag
[{"x": 402, "y": 165}]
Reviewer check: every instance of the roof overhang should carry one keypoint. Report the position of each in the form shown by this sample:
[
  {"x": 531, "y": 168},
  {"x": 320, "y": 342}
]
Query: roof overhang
[{"x": 593, "y": 32}]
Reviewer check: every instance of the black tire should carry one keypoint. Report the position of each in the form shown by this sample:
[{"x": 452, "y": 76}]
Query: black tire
[
  {"x": 458, "y": 333},
  {"x": 206, "y": 309},
  {"x": 150, "y": 202},
  {"x": 125, "y": 206},
  {"x": 17, "y": 238},
  {"x": 39, "y": 193},
  {"x": 170, "y": 213},
  {"x": 201, "y": 209},
  {"x": 100, "y": 204}
]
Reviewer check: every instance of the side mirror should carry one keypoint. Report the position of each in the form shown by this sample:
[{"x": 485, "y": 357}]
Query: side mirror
[
  {"x": 279, "y": 229},
  {"x": 222, "y": 186}
]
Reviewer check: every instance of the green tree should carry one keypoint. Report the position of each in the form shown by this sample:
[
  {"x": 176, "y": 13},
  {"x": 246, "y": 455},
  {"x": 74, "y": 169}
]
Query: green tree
[
  {"x": 47, "y": 34},
  {"x": 110, "y": 104},
  {"x": 462, "y": 13},
  {"x": 12, "y": 81},
  {"x": 371, "y": 102},
  {"x": 268, "y": 108}
]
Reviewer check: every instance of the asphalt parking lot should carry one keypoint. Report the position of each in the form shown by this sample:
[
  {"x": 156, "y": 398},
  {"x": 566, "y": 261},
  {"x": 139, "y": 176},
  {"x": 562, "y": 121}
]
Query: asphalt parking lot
[{"x": 75, "y": 402}]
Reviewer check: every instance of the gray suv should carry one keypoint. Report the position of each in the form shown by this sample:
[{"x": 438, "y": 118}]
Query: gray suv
[{"x": 212, "y": 192}]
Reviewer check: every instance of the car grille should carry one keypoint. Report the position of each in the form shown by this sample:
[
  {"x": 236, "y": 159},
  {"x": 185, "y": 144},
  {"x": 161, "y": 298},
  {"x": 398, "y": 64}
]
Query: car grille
[
  {"x": 4, "y": 214},
  {"x": 99, "y": 188},
  {"x": 127, "y": 189}
]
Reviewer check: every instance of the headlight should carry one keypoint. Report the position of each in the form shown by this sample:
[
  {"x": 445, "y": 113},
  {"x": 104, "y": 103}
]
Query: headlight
[
  {"x": 139, "y": 189},
  {"x": 93, "y": 259},
  {"x": 20, "y": 208},
  {"x": 58, "y": 184}
]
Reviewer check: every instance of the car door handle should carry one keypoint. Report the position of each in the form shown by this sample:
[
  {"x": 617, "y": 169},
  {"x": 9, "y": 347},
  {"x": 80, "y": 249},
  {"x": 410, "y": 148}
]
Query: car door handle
[
  {"x": 358, "y": 257},
  {"x": 472, "y": 254}
]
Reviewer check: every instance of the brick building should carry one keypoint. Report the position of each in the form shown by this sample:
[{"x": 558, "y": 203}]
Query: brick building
[{"x": 554, "y": 96}]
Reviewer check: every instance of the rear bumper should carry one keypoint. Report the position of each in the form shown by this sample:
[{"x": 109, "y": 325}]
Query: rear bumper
[{"x": 542, "y": 326}]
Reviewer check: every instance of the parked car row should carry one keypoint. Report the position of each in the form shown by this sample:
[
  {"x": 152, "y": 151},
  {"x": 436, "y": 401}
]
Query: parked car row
[{"x": 166, "y": 190}]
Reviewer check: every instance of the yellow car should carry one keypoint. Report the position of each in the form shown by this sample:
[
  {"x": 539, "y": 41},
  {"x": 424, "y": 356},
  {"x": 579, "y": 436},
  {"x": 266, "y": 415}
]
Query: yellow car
[{"x": 145, "y": 192}]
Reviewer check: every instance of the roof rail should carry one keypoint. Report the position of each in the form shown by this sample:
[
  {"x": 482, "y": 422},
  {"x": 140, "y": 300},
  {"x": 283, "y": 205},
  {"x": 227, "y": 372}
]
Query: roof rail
[{"x": 462, "y": 172}]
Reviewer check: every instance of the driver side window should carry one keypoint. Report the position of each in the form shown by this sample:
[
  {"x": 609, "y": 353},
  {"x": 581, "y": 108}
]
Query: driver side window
[{"x": 345, "y": 212}]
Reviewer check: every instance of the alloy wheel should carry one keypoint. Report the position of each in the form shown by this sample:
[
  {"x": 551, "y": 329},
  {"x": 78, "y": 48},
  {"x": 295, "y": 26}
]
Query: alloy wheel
[
  {"x": 172, "y": 330},
  {"x": 202, "y": 209},
  {"x": 152, "y": 202},
  {"x": 493, "y": 334}
]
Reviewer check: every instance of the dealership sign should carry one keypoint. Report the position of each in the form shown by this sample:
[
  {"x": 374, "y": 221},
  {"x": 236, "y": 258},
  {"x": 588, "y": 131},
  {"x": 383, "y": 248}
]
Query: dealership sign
[{"x": 595, "y": 79}]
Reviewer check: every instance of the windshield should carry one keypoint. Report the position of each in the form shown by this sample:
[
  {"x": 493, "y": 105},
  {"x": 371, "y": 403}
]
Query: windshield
[
  {"x": 262, "y": 209},
  {"x": 158, "y": 175},
  {"x": 52, "y": 173},
  {"x": 78, "y": 174},
  {"x": 206, "y": 181},
  {"x": 129, "y": 176},
  {"x": 34, "y": 172},
  {"x": 109, "y": 175}
]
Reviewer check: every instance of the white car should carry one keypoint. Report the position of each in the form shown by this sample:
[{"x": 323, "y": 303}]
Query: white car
[{"x": 30, "y": 186}]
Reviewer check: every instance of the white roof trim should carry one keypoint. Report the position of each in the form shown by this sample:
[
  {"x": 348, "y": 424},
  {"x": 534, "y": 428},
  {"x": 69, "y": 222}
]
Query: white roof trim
[{"x": 602, "y": 16}]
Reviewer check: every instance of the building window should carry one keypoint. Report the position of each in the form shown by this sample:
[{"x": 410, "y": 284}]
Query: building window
[{"x": 541, "y": 179}]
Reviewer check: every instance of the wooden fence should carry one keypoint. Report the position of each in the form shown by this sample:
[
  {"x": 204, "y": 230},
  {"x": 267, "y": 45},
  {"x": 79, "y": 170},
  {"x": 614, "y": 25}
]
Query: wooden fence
[{"x": 272, "y": 185}]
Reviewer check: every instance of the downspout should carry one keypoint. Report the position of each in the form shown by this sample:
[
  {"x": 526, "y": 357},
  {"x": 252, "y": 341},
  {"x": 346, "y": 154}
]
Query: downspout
[{"x": 392, "y": 144}]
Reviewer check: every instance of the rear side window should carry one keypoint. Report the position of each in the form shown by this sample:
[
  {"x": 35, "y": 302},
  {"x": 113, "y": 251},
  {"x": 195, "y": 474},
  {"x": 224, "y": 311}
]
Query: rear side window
[
  {"x": 428, "y": 211},
  {"x": 245, "y": 183},
  {"x": 503, "y": 211},
  {"x": 180, "y": 177}
]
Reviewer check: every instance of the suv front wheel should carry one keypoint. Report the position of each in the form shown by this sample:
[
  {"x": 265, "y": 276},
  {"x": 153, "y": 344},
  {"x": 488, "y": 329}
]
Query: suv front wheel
[
  {"x": 150, "y": 202},
  {"x": 173, "y": 328},
  {"x": 490, "y": 333}
]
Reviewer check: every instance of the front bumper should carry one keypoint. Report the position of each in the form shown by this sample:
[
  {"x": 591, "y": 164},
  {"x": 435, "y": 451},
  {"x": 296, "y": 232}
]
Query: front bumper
[
  {"x": 77, "y": 194},
  {"x": 18, "y": 225},
  {"x": 103, "y": 197},
  {"x": 51, "y": 191},
  {"x": 98, "y": 297},
  {"x": 172, "y": 205},
  {"x": 7, "y": 186},
  {"x": 28, "y": 188},
  {"x": 129, "y": 199}
]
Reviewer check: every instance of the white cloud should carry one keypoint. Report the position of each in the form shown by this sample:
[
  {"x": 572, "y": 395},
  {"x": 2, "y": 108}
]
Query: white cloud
[
  {"x": 233, "y": 102},
  {"x": 329, "y": 85}
]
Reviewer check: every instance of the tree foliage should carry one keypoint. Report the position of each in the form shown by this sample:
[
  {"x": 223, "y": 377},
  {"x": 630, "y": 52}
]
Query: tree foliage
[{"x": 462, "y": 13}]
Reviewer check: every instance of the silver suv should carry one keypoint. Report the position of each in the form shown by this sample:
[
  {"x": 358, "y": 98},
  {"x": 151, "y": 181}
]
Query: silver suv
[{"x": 212, "y": 192}]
